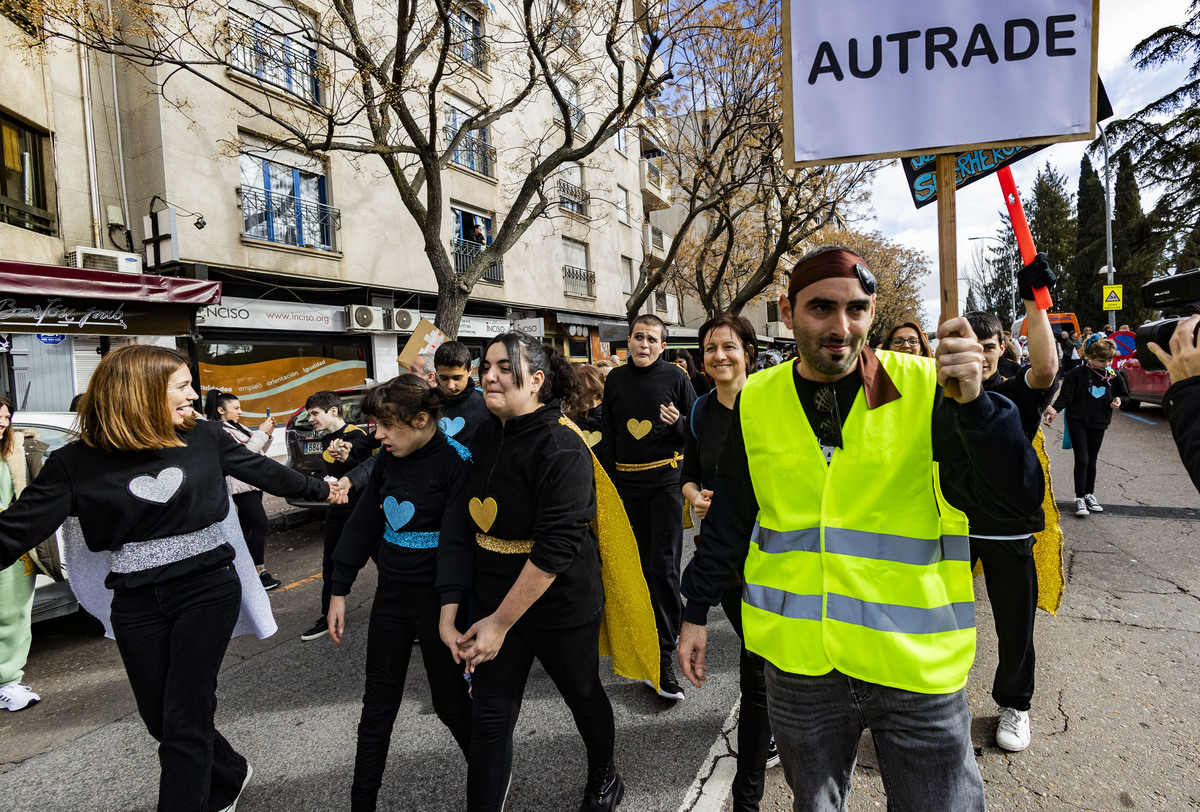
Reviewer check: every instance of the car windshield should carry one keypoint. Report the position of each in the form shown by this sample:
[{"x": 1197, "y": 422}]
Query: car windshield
[{"x": 351, "y": 408}]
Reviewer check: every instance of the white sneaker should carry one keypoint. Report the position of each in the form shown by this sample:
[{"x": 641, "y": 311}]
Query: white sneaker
[
  {"x": 1013, "y": 734},
  {"x": 15, "y": 696},
  {"x": 1092, "y": 504},
  {"x": 1081, "y": 508},
  {"x": 245, "y": 781}
]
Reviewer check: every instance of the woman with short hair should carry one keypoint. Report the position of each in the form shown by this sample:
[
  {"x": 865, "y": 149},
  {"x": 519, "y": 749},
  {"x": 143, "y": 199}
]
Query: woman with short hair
[{"x": 146, "y": 482}]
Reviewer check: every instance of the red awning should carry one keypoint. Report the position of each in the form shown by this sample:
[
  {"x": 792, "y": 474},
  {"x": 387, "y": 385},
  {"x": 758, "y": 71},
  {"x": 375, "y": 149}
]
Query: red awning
[{"x": 25, "y": 278}]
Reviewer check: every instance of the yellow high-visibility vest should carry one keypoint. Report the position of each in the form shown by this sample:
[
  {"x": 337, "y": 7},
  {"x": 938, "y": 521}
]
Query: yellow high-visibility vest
[{"x": 860, "y": 565}]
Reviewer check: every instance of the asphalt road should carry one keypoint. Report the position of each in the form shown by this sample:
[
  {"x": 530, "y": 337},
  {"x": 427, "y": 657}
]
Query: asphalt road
[{"x": 1115, "y": 716}]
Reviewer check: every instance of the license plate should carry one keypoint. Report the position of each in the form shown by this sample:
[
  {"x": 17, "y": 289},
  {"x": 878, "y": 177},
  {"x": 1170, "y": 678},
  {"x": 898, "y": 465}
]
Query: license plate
[{"x": 312, "y": 448}]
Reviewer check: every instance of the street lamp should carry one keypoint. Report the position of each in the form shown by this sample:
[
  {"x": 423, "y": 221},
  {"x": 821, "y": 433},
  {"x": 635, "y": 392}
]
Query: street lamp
[
  {"x": 1012, "y": 277},
  {"x": 1112, "y": 314}
]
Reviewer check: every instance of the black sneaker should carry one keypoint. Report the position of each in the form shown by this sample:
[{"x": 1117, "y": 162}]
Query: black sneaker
[
  {"x": 772, "y": 754},
  {"x": 604, "y": 789},
  {"x": 668, "y": 688},
  {"x": 269, "y": 581},
  {"x": 319, "y": 629}
]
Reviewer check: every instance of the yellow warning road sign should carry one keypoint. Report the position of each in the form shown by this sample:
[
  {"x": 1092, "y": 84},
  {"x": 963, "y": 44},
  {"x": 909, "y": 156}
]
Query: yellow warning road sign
[{"x": 1112, "y": 297}]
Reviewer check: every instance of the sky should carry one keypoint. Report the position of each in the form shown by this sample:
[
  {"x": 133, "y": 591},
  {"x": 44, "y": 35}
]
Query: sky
[{"x": 1123, "y": 24}]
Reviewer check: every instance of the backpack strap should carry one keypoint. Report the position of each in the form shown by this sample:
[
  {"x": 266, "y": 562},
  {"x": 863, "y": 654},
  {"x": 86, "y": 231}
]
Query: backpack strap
[{"x": 697, "y": 408}]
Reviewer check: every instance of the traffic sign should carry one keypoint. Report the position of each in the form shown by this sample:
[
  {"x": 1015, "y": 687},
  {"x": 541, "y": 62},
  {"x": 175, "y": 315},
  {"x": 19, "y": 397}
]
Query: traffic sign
[
  {"x": 1112, "y": 297},
  {"x": 51, "y": 338},
  {"x": 1126, "y": 343}
]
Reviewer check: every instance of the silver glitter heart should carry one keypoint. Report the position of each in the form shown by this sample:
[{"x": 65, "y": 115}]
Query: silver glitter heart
[{"x": 158, "y": 489}]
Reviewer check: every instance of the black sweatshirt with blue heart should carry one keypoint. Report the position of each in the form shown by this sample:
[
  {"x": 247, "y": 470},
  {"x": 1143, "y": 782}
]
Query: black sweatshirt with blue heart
[
  {"x": 131, "y": 496},
  {"x": 412, "y": 516},
  {"x": 1087, "y": 395}
]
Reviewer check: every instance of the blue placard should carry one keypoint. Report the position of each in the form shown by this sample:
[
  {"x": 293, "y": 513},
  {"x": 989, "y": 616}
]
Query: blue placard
[{"x": 51, "y": 338}]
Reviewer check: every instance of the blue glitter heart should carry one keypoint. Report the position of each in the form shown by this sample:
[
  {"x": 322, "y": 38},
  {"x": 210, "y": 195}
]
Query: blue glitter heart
[
  {"x": 398, "y": 513},
  {"x": 1098, "y": 391},
  {"x": 452, "y": 425}
]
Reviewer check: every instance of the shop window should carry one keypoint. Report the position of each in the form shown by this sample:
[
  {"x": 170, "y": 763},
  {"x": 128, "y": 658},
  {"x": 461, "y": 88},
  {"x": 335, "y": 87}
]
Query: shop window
[
  {"x": 473, "y": 151},
  {"x": 23, "y": 182},
  {"x": 286, "y": 204},
  {"x": 258, "y": 46}
]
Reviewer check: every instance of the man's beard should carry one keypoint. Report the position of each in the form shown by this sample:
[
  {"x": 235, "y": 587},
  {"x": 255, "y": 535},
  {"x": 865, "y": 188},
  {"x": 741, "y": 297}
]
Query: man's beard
[{"x": 810, "y": 351}]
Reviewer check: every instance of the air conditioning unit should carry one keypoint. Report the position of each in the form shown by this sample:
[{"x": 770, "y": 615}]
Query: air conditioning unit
[
  {"x": 403, "y": 321},
  {"x": 101, "y": 259},
  {"x": 364, "y": 319}
]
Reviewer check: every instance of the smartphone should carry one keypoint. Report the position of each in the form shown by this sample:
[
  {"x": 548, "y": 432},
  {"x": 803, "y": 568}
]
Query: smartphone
[{"x": 268, "y": 412}]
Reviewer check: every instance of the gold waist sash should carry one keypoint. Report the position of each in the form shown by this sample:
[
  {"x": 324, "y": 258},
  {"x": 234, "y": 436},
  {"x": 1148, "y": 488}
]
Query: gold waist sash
[
  {"x": 627, "y": 467},
  {"x": 506, "y": 546}
]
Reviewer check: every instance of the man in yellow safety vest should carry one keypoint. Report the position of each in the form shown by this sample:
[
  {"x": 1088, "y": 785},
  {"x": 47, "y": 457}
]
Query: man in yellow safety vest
[{"x": 856, "y": 570}]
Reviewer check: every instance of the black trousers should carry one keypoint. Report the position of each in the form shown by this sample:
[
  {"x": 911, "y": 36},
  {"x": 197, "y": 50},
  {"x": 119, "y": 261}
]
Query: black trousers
[
  {"x": 657, "y": 522},
  {"x": 571, "y": 658},
  {"x": 754, "y": 728},
  {"x": 335, "y": 519},
  {"x": 172, "y": 638},
  {"x": 1085, "y": 445},
  {"x": 253, "y": 519},
  {"x": 401, "y": 613},
  {"x": 1011, "y": 578}
]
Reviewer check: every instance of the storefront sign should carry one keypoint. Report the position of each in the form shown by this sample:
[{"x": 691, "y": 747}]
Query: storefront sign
[
  {"x": 51, "y": 339},
  {"x": 53, "y": 315},
  {"x": 261, "y": 314},
  {"x": 474, "y": 327},
  {"x": 530, "y": 327},
  {"x": 877, "y": 78}
]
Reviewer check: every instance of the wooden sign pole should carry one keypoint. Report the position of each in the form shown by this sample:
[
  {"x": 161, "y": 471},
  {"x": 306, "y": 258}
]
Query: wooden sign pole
[{"x": 947, "y": 236}]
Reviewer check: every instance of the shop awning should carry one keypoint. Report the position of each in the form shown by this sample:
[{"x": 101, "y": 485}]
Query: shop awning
[
  {"x": 575, "y": 318},
  {"x": 28, "y": 279}
]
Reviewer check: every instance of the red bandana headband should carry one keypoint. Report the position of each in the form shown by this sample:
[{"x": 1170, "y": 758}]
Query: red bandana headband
[{"x": 838, "y": 263}]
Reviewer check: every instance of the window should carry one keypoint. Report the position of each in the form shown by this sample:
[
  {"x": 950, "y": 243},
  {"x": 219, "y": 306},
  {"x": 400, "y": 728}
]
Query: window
[
  {"x": 621, "y": 137},
  {"x": 623, "y": 205},
  {"x": 628, "y": 273},
  {"x": 466, "y": 41},
  {"x": 286, "y": 203},
  {"x": 22, "y": 181},
  {"x": 578, "y": 280},
  {"x": 472, "y": 234},
  {"x": 569, "y": 89},
  {"x": 473, "y": 151},
  {"x": 563, "y": 29},
  {"x": 571, "y": 195},
  {"x": 660, "y": 301},
  {"x": 773, "y": 311},
  {"x": 259, "y": 47}
]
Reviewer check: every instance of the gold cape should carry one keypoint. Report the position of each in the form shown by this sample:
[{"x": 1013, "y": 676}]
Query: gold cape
[
  {"x": 627, "y": 633},
  {"x": 1048, "y": 544}
]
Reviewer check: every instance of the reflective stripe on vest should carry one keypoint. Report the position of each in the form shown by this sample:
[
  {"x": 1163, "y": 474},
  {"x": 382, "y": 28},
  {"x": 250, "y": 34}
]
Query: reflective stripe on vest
[{"x": 859, "y": 565}]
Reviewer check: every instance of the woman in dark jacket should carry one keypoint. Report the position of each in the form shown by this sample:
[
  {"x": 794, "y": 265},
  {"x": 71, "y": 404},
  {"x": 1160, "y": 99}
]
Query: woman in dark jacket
[
  {"x": 683, "y": 359},
  {"x": 1091, "y": 392},
  {"x": 536, "y": 590},
  {"x": 147, "y": 484}
]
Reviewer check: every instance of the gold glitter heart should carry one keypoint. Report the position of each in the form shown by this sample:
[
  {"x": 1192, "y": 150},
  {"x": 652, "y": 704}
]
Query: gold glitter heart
[
  {"x": 484, "y": 513},
  {"x": 638, "y": 428},
  {"x": 591, "y": 438}
]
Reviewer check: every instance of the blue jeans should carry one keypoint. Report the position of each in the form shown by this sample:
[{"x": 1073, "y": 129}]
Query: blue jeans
[
  {"x": 172, "y": 638},
  {"x": 922, "y": 741}
]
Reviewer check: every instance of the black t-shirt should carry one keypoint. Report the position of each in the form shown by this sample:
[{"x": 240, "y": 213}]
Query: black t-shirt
[
  {"x": 1030, "y": 402},
  {"x": 845, "y": 389},
  {"x": 705, "y": 436}
]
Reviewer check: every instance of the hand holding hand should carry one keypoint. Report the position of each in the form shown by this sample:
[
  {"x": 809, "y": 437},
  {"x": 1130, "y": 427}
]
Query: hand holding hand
[
  {"x": 1049, "y": 415},
  {"x": 1183, "y": 361},
  {"x": 701, "y": 502},
  {"x": 482, "y": 642},
  {"x": 668, "y": 414},
  {"x": 693, "y": 640},
  {"x": 337, "y": 496},
  {"x": 337, "y": 618},
  {"x": 959, "y": 358}
]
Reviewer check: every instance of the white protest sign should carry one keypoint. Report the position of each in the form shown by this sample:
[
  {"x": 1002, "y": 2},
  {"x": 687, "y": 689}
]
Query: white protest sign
[{"x": 874, "y": 78}]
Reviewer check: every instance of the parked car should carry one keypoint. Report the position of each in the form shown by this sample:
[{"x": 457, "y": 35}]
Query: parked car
[
  {"x": 1145, "y": 386},
  {"x": 51, "y": 598},
  {"x": 304, "y": 442}
]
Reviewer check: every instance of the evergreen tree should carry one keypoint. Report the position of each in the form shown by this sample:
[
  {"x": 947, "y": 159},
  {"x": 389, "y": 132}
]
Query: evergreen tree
[
  {"x": 1080, "y": 293},
  {"x": 1137, "y": 243},
  {"x": 1188, "y": 256}
]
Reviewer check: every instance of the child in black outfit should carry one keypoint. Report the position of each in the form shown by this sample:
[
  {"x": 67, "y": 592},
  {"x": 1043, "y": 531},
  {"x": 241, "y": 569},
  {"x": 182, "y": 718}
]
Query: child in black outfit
[
  {"x": 344, "y": 445},
  {"x": 1092, "y": 391},
  {"x": 464, "y": 410},
  {"x": 415, "y": 501}
]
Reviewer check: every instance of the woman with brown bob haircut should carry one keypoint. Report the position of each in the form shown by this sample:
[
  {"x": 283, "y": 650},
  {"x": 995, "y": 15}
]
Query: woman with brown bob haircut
[
  {"x": 907, "y": 336},
  {"x": 145, "y": 486}
]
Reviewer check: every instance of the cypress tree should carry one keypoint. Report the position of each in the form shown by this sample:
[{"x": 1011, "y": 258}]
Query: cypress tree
[{"x": 1082, "y": 293}]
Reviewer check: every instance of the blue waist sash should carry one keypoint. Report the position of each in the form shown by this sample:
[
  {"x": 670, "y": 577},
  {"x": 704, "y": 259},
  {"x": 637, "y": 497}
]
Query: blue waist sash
[{"x": 414, "y": 541}]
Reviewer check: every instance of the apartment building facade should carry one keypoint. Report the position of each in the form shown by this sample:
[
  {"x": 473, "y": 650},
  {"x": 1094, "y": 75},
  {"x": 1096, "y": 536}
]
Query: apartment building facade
[{"x": 322, "y": 271}]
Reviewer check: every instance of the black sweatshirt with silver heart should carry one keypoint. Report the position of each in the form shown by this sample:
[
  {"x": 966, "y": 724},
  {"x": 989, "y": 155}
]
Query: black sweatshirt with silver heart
[{"x": 133, "y": 496}]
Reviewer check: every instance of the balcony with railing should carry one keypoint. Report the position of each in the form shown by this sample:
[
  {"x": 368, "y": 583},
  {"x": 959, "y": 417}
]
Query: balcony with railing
[
  {"x": 473, "y": 153},
  {"x": 288, "y": 220},
  {"x": 572, "y": 198},
  {"x": 16, "y": 213},
  {"x": 578, "y": 281},
  {"x": 656, "y": 193},
  {"x": 273, "y": 58},
  {"x": 465, "y": 252},
  {"x": 654, "y": 245},
  {"x": 566, "y": 32},
  {"x": 467, "y": 45}
]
